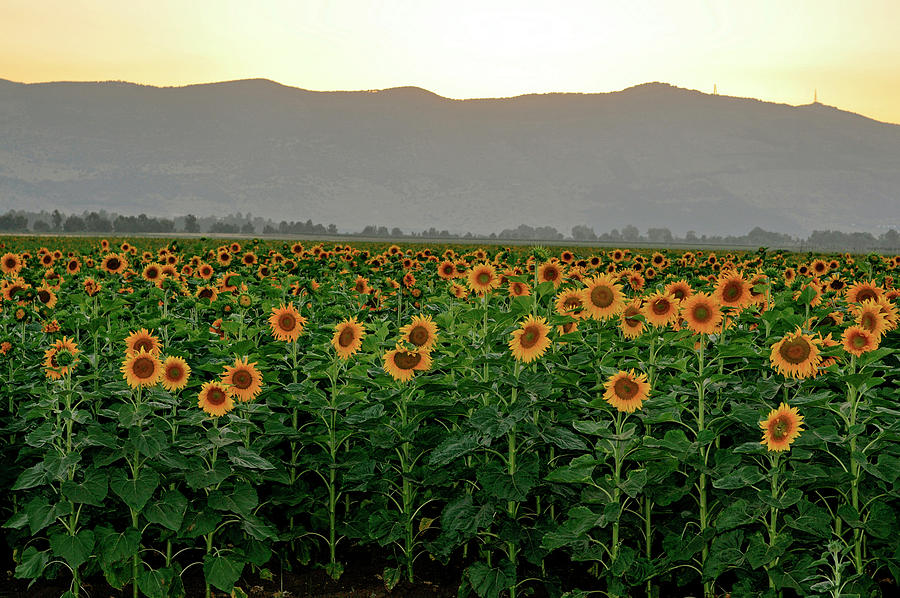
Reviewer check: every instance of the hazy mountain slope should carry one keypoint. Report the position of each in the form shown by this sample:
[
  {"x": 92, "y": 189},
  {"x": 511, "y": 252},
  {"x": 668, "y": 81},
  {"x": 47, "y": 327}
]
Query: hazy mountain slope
[{"x": 652, "y": 155}]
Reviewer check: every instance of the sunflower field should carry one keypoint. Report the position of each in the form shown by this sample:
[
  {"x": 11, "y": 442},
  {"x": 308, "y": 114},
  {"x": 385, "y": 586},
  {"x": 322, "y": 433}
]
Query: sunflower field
[{"x": 534, "y": 420}]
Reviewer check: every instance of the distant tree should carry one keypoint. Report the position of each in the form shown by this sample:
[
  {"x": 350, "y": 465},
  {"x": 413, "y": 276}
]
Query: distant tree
[
  {"x": 57, "y": 219},
  {"x": 248, "y": 228},
  {"x": 269, "y": 230},
  {"x": 40, "y": 226},
  {"x": 631, "y": 233},
  {"x": 223, "y": 228},
  {"x": 190, "y": 224},
  {"x": 396, "y": 232},
  {"x": 690, "y": 236},
  {"x": 890, "y": 239},
  {"x": 583, "y": 233},
  {"x": 73, "y": 224},
  {"x": 95, "y": 222},
  {"x": 332, "y": 229},
  {"x": 13, "y": 222},
  {"x": 659, "y": 235}
]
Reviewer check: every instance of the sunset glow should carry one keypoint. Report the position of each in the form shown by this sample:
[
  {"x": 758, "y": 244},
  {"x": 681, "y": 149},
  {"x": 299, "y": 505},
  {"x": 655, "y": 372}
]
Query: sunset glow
[{"x": 770, "y": 49}]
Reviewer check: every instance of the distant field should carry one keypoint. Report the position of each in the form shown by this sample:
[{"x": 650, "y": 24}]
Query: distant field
[{"x": 491, "y": 419}]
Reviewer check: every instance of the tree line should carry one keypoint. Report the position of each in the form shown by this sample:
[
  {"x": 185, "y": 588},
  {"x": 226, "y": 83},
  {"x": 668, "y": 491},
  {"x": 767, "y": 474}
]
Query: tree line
[{"x": 247, "y": 224}]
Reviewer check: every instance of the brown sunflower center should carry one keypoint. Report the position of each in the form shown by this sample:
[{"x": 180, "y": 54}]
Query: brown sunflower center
[
  {"x": 44, "y": 296},
  {"x": 447, "y": 270},
  {"x": 405, "y": 360},
  {"x": 346, "y": 337},
  {"x": 113, "y": 263},
  {"x": 733, "y": 291},
  {"x": 625, "y": 389},
  {"x": 571, "y": 303},
  {"x": 630, "y": 321},
  {"x": 10, "y": 262},
  {"x": 551, "y": 274},
  {"x": 602, "y": 296},
  {"x": 865, "y": 294},
  {"x": 144, "y": 344},
  {"x": 483, "y": 278},
  {"x": 419, "y": 336},
  {"x": 795, "y": 351},
  {"x": 780, "y": 428},
  {"x": 867, "y": 321},
  {"x": 702, "y": 313},
  {"x": 215, "y": 397},
  {"x": 859, "y": 341},
  {"x": 205, "y": 293},
  {"x": 174, "y": 373},
  {"x": 661, "y": 307},
  {"x": 242, "y": 379},
  {"x": 143, "y": 368},
  {"x": 530, "y": 336},
  {"x": 152, "y": 273},
  {"x": 287, "y": 322}
]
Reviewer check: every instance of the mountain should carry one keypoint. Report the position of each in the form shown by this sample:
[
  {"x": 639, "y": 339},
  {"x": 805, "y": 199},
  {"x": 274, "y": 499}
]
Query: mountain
[{"x": 653, "y": 155}]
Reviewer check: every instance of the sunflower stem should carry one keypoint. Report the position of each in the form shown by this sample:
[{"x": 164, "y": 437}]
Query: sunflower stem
[
  {"x": 512, "y": 506},
  {"x": 704, "y": 454},
  {"x": 773, "y": 516},
  {"x": 853, "y": 399}
]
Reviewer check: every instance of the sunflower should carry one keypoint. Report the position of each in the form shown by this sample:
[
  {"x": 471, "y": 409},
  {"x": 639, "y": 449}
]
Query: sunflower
[
  {"x": 11, "y": 263},
  {"x": 632, "y": 327},
  {"x": 175, "y": 373},
  {"x": 570, "y": 302},
  {"x": 531, "y": 340},
  {"x": 868, "y": 315},
  {"x": 347, "y": 338},
  {"x": 458, "y": 291},
  {"x": 796, "y": 355},
  {"x": 660, "y": 309},
  {"x": 446, "y": 270},
  {"x": 286, "y": 322},
  {"x": 857, "y": 340},
  {"x": 215, "y": 399},
  {"x": 733, "y": 290},
  {"x": 483, "y": 278},
  {"x": 421, "y": 332},
  {"x": 142, "y": 340},
  {"x": 781, "y": 428},
  {"x": 701, "y": 313},
  {"x": 402, "y": 363},
  {"x": 550, "y": 272},
  {"x": 91, "y": 287},
  {"x": 519, "y": 289},
  {"x": 862, "y": 291},
  {"x": 60, "y": 358},
  {"x": 207, "y": 292},
  {"x": 113, "y": 263},
  {"x": 141, "y": 368},
  {"x": 603, "y": 298},
  {"x": 626, "y": 391},
  {"x": 46, "y": 296},
  {"x": 244, "y": 379}
]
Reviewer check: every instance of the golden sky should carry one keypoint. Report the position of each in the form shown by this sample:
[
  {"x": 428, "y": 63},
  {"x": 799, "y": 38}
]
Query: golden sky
[{"x": 774, "y": 50}]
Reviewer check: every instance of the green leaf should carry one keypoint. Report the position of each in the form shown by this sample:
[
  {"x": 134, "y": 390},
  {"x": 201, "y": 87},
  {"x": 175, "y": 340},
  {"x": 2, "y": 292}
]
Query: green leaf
[
  {"x": 579, "y": 469},
  {"x": 244, "y": 457},
  {"x": 240, "y": 499},
  {"x": 134, "y": 493},
  {"x": 635, "y": 482},
  {"x": 76, "y": 549},
  {"x": 92, "y": 491},
  {"x": 488, "y": 581},
  {"x": 258, "y": 528},
  {"x": 155, "y": 583},
  {"x": 564, "y": 439},
  {"x": 222, "y": 571},
  {"x": 116, "y": 546},
  {"x": 31, "y": 477},
  {"x": 453, "y": 447},
  {"x": 745, "y": 476},
  {"x": 168, "y": 511},
  {"x": 575, "y": 529},
  {"x": 497, "y": 482},
  {"x": 32, "y": 563}
]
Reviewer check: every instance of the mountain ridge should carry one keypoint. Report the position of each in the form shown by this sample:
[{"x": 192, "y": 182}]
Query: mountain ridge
[{"x": 650, "y": 155}]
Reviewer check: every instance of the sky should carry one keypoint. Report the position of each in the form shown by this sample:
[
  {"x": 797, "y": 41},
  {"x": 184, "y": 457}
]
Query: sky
[{"x": 775, "y": 50}]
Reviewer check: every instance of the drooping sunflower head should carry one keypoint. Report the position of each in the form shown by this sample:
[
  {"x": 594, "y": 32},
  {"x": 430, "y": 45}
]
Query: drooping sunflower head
[
  {"x": 530, "y": 340},
  {"x": 402, "y": 363},
  {"x": 45, "y": 295},
  {"x": 781, "y": 428},
  {"x": 519, "y": 289},
  {"x": 632, "y": 326},
  {"x": 660, "y": 309},
  {"x": 602, "y": 297},
  {"x": 142, "y": 340},
  {"x": 626, "y": 391},
  {"x": 60, "y": 358},
  {"x": 701, "y": 313},
  {"x": 348, "y": 337},
  {"x": 244, "y": 379},
  {"x": 483, "y": 278},
  {"x": 286, "y": 323},
  {"x": 863, "y": 291},
  {"x": 215, "y": 399},
  {"x": 421, "y": 332},
  {"x": 570, "y": 302},
  {"x": 175, "y": 373},
  {"x": 141, "y": 369},
  {"x": 856, "y": 340},
  {"x": 797, "y": 355},
  {"x": 869, "y": 315}
]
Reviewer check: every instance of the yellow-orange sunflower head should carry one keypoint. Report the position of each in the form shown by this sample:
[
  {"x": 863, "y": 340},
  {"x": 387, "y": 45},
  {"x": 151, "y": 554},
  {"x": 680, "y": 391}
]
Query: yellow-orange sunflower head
[{"x": 781, "y": 428}]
